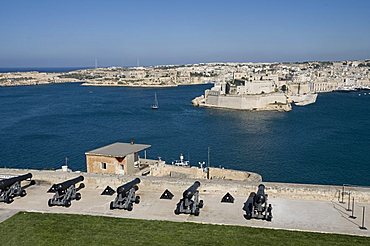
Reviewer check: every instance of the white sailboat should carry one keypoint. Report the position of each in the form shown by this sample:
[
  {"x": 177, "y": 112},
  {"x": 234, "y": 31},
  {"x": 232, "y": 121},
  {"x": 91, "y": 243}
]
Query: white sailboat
[{"x": 155, "y": 104}]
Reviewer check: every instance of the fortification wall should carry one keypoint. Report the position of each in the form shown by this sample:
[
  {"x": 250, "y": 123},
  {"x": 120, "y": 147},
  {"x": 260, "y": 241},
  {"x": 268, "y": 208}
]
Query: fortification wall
[
  {"x": 163, "y": 170},
  {"x": 272, "y": 101},
  {"x": 178, "y": 185}
]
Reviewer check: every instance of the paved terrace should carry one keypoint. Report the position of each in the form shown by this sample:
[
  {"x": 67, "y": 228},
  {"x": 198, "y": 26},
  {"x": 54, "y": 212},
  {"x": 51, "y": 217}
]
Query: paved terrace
[{"x": 318, "y": 210}]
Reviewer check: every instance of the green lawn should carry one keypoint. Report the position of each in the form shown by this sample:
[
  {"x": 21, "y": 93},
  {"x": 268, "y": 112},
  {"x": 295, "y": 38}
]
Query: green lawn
[{"x": 62, "y": 229}]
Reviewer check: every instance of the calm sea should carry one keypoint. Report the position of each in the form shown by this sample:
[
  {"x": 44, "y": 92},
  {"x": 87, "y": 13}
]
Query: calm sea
[{"x": 326, "y": 143}]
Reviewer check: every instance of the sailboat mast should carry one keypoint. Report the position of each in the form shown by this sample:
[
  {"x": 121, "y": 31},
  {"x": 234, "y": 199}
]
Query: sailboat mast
[{"x": 155, "y": 105}]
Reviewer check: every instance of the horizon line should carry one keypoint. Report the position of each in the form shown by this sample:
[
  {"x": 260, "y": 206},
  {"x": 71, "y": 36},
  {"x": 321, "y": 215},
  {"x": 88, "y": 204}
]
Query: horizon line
[{"x": 183, "y": 64}]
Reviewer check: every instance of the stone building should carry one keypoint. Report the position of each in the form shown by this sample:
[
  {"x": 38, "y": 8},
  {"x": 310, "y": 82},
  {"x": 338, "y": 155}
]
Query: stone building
[{"x": 116, "y": 158}]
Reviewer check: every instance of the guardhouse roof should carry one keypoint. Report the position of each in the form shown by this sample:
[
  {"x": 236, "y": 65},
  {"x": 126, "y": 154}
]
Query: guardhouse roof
[{"x": 118, "y": 149}]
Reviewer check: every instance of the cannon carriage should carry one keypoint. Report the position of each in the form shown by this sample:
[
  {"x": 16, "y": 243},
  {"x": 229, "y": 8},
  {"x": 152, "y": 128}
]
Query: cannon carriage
[
  {"x": 126, "y": 196},
  {"x": 256, "y": 205},
  {"x": 11, "y": 187},
  {"x": 190, "y": 202},
  {"x": 65, "y": 192}
]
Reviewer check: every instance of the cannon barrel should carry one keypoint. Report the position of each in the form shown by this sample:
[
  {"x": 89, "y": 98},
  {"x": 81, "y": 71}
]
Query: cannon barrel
[
  {"x": 261, "y": 189},
  {"x": 251, "y": 197},
  {"x": 126, "y": 187},
  {"x": 248, "y": 205},
  {"x": 66, "y": 184},
  {"x": 10, "y": 181},
  {"x": 260, "y": 197},
  {"x": 189, "y": 192}
]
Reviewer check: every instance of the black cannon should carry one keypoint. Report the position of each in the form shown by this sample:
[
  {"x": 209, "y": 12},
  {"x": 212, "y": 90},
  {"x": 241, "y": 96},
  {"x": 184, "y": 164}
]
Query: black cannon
[
  {"x": 256, "y": 205},
  {"x": 65, "y": 192},
  {"x": 126, "y": 196},
  {"x": 190, "y": 203},
  {"x": 11, "y": 187}
]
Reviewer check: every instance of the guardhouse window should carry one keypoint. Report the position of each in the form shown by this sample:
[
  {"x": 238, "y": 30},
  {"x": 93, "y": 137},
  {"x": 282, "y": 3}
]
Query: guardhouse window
[{"x": 103, "y": 165}]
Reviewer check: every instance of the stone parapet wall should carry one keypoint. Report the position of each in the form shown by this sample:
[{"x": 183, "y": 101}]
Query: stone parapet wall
[
  {"x": 218, "y": 187},
  {"x": 164, "y": 170},
  {"x": 316, "y": 192}
]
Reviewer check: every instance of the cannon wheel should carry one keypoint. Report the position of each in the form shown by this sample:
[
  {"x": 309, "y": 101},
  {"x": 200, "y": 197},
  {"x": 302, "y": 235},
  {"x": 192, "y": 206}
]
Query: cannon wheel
[
  {"x": 201, "y": 203},
  {"x": 67, "y": 204},
  {"x": 50, "y": 204},
  {"x": 78, "y": 196},
  {"x": 23, "y": 193},
  {"x": 196, "y": 212},
  {"x": 129, "y": 207},
  {"x": 111, "y": 206},
  {"x": 177, "y": 211},
  {"x": 248, "y": 216},
  {"x": 9, "y": 200},
  {"x": 137, "y": 199}
]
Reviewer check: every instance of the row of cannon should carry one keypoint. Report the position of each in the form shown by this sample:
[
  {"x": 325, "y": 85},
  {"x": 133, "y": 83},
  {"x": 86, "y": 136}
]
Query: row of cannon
[{"x": 65, "y": 192}]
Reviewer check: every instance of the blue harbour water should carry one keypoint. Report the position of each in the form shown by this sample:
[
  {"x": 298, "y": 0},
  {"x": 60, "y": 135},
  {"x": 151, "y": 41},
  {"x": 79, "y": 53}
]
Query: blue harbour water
[{"x": 325, "y": 143}]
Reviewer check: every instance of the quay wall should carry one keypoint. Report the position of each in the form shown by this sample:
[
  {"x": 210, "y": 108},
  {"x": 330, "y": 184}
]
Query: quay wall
[{"x": 216, "y": 186}]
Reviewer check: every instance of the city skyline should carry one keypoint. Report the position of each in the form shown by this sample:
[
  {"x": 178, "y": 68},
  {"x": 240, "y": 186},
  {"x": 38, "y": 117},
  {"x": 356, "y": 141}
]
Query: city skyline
[{"x": 68, "y": 34}]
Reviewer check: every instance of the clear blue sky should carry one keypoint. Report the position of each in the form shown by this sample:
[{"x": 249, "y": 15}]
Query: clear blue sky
[{"x": 72, "y": 33}]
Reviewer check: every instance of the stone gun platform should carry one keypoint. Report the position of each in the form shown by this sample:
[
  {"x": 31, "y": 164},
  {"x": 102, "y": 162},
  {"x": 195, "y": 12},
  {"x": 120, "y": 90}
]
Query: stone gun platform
[{"x": 292, "y": 210}]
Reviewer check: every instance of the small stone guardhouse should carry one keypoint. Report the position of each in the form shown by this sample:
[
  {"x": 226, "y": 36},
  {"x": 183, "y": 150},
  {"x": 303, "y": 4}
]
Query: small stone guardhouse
[{"x": 116, "y": 158}]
